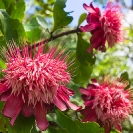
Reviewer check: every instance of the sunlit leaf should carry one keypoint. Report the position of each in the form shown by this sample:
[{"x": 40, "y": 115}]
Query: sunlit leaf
[
  {"x": 61, "y": 17},
  {"x": 10, "y": 28},
  {"x": 83, "y": 56},
  {"x": 16, "y": 10},
  {"x": 114, "y": 131},
  {"x": 2, "y": 5},
  {"x": 2, "y": 125},
  {"x": 33, "y": 31},
  {"x": 31, "y": 25},
  {"x": 42, "y": 22},
  {"x": 82, "y": 18},
  {"x": 75, "y": 126},
  {"x": 6, "y": 3}
]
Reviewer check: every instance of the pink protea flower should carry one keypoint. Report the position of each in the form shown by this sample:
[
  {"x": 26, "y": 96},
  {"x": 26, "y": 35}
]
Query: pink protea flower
[
  {"x": 34, "y": 82},
  {"x": 105, "y": 26},
  {"x": 106, "y": 103}
]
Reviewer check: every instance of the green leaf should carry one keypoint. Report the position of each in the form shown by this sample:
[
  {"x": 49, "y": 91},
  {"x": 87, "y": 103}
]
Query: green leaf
[
  {"x": 101, "y": 129},
  {"x": 7, "y": 3},
  {"x": 41, "y": 21},
  {"x": 2, "y": 125},
  {"x": 33, "y": 24},
  {"x": 22, "y": 125},
  {"x": 82, "y": 18},
  {"x": 83, "y": 56},
  {"x": 114, "y": 131},
  {"x": 52, "y": 129},
  {"x": 2, "y": 64},
  {"x": 1, "y": 107},
  {"x": 2, "y": 40},
  {"x": 124, "y": 77},
  {"x": 81, "y": 72},
  {"x": 2, "y": 120},
  {"x": 10, "y": 28},
  {"x": 33, "y": 35},
  {"x": 2, "y": 5},
  {"x": 33, "y": 130},
  {"x": 61, "y": 17},
  {"x": 33, "y": 31},
  {"x": 75, "y": 126},
  {"x": 16, "y": 10}
]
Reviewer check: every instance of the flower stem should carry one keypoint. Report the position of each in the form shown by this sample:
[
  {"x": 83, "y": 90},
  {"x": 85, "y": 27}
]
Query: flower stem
[{"x": 55, "y": 37}]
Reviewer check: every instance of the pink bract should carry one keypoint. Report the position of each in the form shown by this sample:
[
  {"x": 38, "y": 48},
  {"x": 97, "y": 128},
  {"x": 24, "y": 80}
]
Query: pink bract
[
  {"x": 105, "y": 26},
  {"x": 34, "y": 82},
  {"x": 106, "y": 103}
]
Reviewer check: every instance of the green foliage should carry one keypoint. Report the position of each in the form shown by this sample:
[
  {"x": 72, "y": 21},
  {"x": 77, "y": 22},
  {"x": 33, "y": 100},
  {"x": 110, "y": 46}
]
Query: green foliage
[
  {"x": 15, "y": 9},
  {"x": 81, "y": 72},
  {"x": 61, "y": 17},
  {"x": 10, "y": 28},
  {"x": 2, "y": 5},
  {"x": 42, "y": 22},
  {"x": 46, "y": 7},
  {"x": 1, "y": 106},
  {"x": 83, "y": 63},
  {"x": 2, "y": 125},
  {"x": 124, "y": 77},
  {"x": 33, "y": 30},
  {"x": 2, "y": 120},
  {"x": 110, "y": 63},
  {"x": 2, "y": 66},
  {"x": 2, "y": 40},
  {"x": 114, "y": 131},
  {"x": 22, "y": 125},
  {"x": 34, "y": 130},
  {"x": 52, "y": 129},
  {"x": 82, "y": 18},
  {"x": 75, "y": 126},
  {"x": 83, "y": 56},
  {"x": 5, "y": 3}
]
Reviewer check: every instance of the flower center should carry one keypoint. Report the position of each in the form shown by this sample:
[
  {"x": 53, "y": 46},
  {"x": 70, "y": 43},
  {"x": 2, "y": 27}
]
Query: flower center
[
  {"x": 111, "y": 104},
  {"x": 38, "y": 78}
]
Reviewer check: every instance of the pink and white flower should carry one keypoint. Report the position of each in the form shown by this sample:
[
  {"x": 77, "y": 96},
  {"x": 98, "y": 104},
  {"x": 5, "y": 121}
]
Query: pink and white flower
[
  {"x": 106, "y": 103},
  {"x": 34, "y": 82},
  {"x": 105, "y": 26}
]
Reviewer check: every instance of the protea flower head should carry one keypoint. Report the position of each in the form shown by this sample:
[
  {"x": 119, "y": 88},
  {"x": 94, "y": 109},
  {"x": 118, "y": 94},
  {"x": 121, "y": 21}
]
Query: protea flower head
[
  {"x": 105, "y": 26},
  {"x": 34, "y": 82},
  {"x": 106, "y": 103}
]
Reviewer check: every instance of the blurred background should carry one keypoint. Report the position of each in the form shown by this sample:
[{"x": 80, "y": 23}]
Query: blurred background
[{"x": 116, "y": 61}]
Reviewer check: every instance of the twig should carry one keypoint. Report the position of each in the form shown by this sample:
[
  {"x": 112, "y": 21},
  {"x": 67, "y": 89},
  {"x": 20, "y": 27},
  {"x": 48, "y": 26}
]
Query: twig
[{"x": 55, "y": 37}]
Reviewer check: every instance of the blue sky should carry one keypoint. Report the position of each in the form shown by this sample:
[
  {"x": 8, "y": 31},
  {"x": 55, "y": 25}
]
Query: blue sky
[{"x": 77, "y": 7}]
